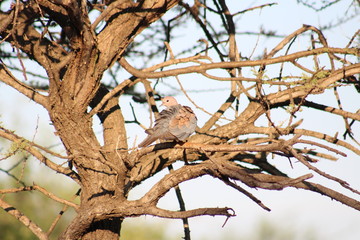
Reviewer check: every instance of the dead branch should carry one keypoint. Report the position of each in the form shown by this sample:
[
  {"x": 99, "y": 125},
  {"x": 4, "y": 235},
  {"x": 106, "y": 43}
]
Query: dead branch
[
  {"x": 330, "y": 139},
  {"x": 302, "y": 159}
]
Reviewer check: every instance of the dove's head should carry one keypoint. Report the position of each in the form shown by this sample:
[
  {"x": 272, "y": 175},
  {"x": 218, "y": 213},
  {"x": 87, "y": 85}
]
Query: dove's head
[{"x": 169, "y": 101}]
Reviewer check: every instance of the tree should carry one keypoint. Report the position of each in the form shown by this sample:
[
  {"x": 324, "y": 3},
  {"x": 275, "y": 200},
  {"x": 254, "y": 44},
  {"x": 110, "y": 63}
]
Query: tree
[{"x": 78, "y": 43}]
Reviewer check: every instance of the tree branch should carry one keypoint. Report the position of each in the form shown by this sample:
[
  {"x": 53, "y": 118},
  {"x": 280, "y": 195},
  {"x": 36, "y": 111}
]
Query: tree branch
[
  {"x": 9, "y": 79},
  {"x": 24, "y": 220},
  {"x": 158, "y": 212},
  {"x": 43, "y": 191},
  {"x": 33, "y": 151},
  {"x": 302, "y": 159},
  {"x": 220, "y": 65}
]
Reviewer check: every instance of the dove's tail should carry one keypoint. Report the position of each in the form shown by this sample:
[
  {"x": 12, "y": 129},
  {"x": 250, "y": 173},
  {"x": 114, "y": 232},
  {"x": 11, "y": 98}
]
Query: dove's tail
[{"x": 147, "y": 141}]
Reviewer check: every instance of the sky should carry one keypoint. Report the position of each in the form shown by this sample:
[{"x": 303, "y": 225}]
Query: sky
[{"x": 305, "y": 213}]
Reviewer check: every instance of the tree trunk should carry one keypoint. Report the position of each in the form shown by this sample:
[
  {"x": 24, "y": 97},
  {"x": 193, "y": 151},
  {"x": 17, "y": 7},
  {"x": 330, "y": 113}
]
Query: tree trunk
[{"x": 94, "y": 163}]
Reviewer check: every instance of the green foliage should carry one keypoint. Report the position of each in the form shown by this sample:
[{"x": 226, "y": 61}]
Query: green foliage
[
  {"x": 16, "y": 147},
  {"x": 312, "y": 81}
]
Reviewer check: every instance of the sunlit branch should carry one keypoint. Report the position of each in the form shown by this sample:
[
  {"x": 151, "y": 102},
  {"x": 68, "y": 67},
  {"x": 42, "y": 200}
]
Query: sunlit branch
[
  {"x": 218, "y": 148},
  {"x": 302, "y": 159},
  {"x": 326, "y": 137},
  {"x": 158, "y": 212},
  {"x": 202, "y": 68},
  {"x": 9, "y": 79}
]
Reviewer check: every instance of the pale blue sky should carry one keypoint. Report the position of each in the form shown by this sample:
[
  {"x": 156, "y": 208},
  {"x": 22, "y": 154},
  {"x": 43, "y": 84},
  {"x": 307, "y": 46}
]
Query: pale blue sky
[{"x": 291, "y": 209}]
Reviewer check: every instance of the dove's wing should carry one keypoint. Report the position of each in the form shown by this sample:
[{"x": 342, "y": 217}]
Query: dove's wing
[
  {"x": 174, "y": 123},
  {"x": 183, "y": 124}
]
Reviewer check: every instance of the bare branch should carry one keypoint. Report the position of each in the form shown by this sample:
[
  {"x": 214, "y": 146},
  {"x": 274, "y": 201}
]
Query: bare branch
[
  {"x": 182, "y": 207},
  {"x": 332, "y": 110},
  {"x": 33, "y": 151},
  {"x": 330, "y": 139},
  {"x": 9, "y": 79},
  {"x": 208, "y": 66},
  {"x": 43, "y": 191},
  {"x": 24, "y": 220},
  {"x": 228, "y": 212},
  {"x": 210, "y": 148},
  {"x": 302, "y": 159}
]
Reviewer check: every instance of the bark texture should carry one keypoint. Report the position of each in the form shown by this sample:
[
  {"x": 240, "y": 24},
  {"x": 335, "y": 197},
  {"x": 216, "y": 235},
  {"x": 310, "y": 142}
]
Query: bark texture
[{"x": 75, "y": 60}]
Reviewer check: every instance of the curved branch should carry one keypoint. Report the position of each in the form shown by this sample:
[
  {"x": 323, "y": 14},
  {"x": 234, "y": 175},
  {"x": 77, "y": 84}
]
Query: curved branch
[
  {"x": 320, "y": 86},
  {"x": 203, "y": 67},
  {"x": 9, "y": 79},
  {"x": 173, "y": 179}
]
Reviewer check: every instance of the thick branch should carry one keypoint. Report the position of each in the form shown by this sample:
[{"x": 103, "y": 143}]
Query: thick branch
[
  {"x": 47, "y": 53},
  {"x": 132, "y": 21},
  {"x": 9, "y": 79}
]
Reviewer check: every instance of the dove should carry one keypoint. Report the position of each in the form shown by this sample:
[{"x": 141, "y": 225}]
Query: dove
[{"x": 176, "y": 122}]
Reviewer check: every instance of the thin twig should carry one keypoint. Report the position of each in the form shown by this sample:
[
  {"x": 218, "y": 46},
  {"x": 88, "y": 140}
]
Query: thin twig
[
  {"x": 302, "y": 159},
  {"x": 182, "y": 207}
]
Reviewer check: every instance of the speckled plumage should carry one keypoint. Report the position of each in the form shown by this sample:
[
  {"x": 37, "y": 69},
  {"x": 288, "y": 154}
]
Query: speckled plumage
[{"x": 176, "y": 122}]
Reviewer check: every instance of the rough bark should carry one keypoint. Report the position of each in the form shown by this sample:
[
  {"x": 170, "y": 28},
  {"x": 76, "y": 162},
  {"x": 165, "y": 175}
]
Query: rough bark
[{"x": 75, "y": 64}]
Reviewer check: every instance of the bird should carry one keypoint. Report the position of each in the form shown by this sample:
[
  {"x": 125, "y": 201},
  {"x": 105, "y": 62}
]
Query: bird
[{"x": 176, "y": 122}]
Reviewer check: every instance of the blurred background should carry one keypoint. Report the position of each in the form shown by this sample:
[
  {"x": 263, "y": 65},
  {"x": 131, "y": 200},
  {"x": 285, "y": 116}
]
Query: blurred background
[{"x": 296, "y": 214}]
